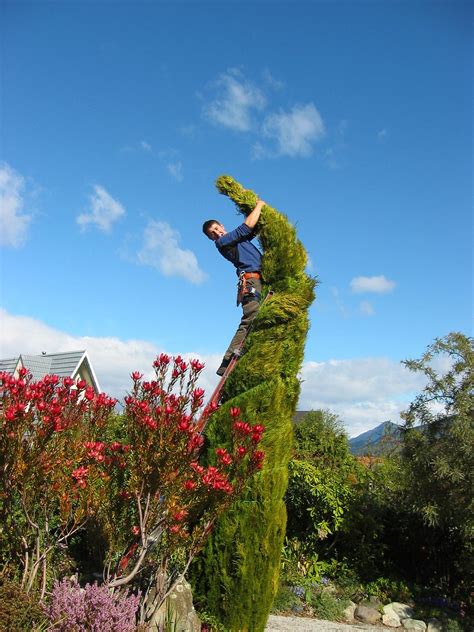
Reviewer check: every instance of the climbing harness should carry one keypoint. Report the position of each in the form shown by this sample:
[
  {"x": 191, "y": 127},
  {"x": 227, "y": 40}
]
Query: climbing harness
[
  {"x": 244, "y": 289},
  {"x": 217, "y": 394}
]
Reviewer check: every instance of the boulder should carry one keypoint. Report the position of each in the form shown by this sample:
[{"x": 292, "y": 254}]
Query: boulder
[
  {"x": 391, "y": 619},
  {"x": 348, "y": 613},
  {"x": 403, "y": 610},
  {"x": 367, "y": 615},
  {"x": 177, "y": 611},
  {"x": 414, "y": 624},
  {"x": 434, "y": 626}
]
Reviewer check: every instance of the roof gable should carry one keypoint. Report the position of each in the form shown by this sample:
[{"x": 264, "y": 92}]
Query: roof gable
[{"x": 65, "y": 364}]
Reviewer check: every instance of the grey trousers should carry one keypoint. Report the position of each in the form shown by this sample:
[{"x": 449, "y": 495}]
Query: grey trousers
[{"x": 249, "y": 309}]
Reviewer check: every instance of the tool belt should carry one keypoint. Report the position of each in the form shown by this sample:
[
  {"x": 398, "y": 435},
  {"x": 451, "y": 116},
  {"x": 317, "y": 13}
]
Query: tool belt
[{"x": 244, "y": 289}]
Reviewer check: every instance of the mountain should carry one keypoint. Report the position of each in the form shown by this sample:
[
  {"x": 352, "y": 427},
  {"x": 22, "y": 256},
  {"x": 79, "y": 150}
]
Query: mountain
[{"x": 380, "y": 440}]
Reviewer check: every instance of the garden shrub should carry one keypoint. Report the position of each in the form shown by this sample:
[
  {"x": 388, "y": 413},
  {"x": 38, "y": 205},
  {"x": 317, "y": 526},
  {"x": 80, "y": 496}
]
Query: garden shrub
[
  {"x": 19, "y": 611},
  {"x": 90, "y": 609},
  {"x": 236, "y": 576},
  {"x": 150, "y": 501}
]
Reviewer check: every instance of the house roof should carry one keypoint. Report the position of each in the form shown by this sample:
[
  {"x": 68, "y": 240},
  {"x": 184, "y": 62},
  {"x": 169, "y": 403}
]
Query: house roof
[{"x": 66, "y": 364}]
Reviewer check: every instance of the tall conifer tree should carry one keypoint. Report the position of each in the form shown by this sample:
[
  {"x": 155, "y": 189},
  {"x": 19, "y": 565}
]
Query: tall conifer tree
[{"x": 237, "y": 574}]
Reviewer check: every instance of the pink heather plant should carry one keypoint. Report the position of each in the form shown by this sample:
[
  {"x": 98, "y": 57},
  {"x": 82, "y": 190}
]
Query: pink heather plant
[{"x": 90, "y": 609}]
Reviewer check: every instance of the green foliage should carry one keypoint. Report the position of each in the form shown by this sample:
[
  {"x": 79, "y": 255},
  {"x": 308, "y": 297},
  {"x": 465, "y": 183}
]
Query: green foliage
[
  {"x": 320, "y": 485},
  {"x": 236, "y": 577},
  {"x": 327, "y": 606},
  {"x": 19, "y": 611},
  {"x": 285, "y": 600},
  {"x": 388, "y": 590},
  {"x": 438, "y": 458},
  {"x": 210, "y": 623}
]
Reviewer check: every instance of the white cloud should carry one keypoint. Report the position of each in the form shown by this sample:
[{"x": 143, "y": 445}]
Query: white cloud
[
  {"x": 13, "y": 223},
  {"x": 145, "y": 146},
  {"x": 176, "y": 170},
  {"x": 364, "y": 392},
  {"x": 161, "y": 251},
  {"x": 104, "y": 211},
  {"x": 294, "y": 132},
  {"x": 113, "y": 359},
  {"x": 382, "y": 135},
  {"x": 366, "y": 308},
  {"x": 270, "y": 80},
  {"x": 375, "y": 284},
  {"x": 236, "y": 98}
]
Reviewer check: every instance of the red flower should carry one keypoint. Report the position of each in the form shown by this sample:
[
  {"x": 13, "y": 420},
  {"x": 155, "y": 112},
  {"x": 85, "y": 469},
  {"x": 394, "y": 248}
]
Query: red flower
[
  {"x": 164, "y": 359},
  {"x": 257, "y": 459},
  {"x": 223, "y": 456},
  {"x": 241, "y": 451},
  {"x": 234, "y": 412},
  {"x": 136, "y": 375},
  {"x": 196, "y": 365},
  {"x": 190, "y": 485},
  {"x": 81, "y": 384},
  {"x": 242, "y": 428},
  {"x": 183, "y": 424},
  {"x": 195, "y": 443},
  {"x": 180, "y": 515},
  {"x": 136, "y": 530},
  {"x": 198, "y": 393},
  {"x": 80, "y": 475}
]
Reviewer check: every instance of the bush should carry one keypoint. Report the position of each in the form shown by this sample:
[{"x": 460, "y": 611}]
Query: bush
[
  {"x": 137, "y": 481},
  {"x": 285, "y": 600},
  {"x": 90, "y": 609},
  {"x": 236, "y": 577},
  {"x": 327, "y": 606},
  {"x": 18, "y": 611}
]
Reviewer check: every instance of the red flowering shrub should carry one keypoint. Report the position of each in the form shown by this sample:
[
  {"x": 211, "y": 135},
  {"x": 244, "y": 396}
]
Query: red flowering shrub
[{"x": 62, "y": 462}]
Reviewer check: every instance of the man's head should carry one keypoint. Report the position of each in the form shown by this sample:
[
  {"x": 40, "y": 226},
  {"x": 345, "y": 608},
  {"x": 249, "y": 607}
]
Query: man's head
[{"x": 213, "y": 229}]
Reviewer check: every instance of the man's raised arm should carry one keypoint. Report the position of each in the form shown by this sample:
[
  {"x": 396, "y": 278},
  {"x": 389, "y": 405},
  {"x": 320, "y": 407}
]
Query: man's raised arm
[{"x": 253, "y": 217}]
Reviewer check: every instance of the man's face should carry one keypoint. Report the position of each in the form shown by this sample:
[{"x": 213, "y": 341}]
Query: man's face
[{"x": 215, "y": 231}]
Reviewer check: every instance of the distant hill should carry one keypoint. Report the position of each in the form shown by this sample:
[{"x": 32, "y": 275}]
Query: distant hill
[{"x": 380, "y": 440}]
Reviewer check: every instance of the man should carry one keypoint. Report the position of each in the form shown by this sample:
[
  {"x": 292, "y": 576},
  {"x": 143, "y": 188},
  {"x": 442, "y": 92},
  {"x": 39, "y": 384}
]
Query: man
[{"x": 247, "y": 259}]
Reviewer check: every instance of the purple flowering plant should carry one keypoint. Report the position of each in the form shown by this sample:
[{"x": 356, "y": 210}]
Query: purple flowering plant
[{"x": 92, "y": 608}]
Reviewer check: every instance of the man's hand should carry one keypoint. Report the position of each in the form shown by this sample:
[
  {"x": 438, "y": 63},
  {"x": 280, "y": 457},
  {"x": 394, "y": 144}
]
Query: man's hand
[{"x": 253, "y": 217}]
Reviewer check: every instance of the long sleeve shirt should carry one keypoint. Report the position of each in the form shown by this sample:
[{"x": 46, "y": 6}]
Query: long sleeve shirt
[{"x": 237, "y": 248}]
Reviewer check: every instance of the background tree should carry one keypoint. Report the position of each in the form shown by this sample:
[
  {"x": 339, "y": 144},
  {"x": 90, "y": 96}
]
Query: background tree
[
  {"x": 321, "y": 479},
  {"x": 438, "y": 458}
]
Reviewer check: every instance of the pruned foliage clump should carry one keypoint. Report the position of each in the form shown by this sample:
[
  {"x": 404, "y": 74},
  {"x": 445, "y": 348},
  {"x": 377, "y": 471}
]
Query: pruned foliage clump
[{"x": 236, "y": 577}]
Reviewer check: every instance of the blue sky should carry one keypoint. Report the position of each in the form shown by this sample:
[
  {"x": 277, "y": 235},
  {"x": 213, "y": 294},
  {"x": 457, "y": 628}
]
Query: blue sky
[{"x": 353, "y": 118}]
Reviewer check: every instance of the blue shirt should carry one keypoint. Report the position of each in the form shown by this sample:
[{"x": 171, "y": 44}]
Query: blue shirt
[{"x": 236, "y": 248}]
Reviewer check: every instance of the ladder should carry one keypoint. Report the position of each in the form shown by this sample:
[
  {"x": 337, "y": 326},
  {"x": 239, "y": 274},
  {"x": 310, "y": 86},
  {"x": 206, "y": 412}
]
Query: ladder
[{"x": 217, "y": 394}]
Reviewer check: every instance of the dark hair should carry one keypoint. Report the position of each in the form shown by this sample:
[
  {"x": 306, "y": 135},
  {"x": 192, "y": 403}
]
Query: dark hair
[{"x": 206, "y": 226}]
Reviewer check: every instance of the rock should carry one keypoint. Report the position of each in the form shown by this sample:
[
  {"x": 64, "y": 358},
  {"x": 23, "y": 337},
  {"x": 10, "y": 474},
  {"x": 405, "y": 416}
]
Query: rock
[
  {"x": 434, "y": 626},
  {"x": 403, "y": 610},
  {"x": 177, "y": 611},
  {"x": 414, "y": 624},
  {"x": 391, "y": 619},
  {"x": 348, "y": 613},
  {"x": 367, "y": 615},
  {"x": 297, "y": 608}
]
